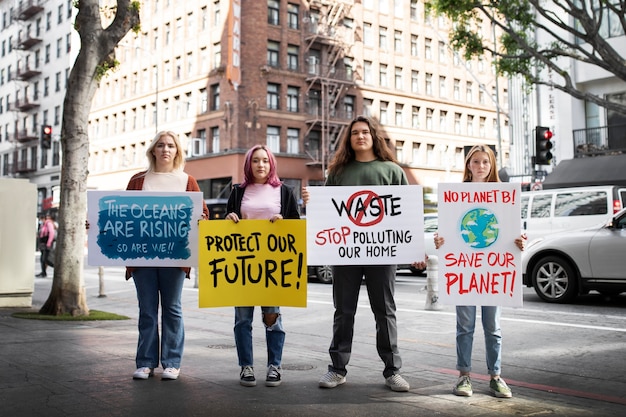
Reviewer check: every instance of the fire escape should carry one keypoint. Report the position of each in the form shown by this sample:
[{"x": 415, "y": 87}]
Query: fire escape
[
  {"x": 26, "y": 97},
  {"x": 327, "y": 40}
]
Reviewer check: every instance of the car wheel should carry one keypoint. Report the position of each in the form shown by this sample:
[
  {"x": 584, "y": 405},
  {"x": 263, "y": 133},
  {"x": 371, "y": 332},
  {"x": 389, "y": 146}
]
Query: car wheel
[
  {"x": 324, "y": 274},
  {"x": 554, "y": 280}
]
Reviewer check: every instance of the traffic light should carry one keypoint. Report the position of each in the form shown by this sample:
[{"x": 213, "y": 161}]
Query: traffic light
[
  {"x": 543, "y": 145},
  {"x": 46, "y": 136}
]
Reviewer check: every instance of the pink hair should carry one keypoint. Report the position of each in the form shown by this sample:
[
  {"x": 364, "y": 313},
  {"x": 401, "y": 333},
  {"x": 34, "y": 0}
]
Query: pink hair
[{"x": 272, "y": 177}]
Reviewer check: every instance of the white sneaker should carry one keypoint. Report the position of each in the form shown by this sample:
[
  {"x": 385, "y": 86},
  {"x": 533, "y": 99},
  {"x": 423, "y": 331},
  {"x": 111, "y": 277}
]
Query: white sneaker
[
  {"x": 143, "y": 373},
  {"x": 170, "y": 373},
  {"x": 397, "y": 383},
  {"x": 331, "y": 379}
]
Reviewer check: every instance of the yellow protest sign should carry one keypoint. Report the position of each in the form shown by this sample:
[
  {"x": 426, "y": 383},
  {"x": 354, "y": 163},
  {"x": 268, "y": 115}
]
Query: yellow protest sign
[{"x": 252, "y": 263}]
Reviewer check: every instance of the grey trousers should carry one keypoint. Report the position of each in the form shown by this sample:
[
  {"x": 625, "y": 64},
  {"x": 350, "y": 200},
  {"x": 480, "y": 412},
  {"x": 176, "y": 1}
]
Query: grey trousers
[{"x": 380, "y": 283}]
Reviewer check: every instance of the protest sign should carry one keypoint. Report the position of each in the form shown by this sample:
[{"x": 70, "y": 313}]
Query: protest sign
[
  {"x": 479, "y": 263},
  {"x": 365, "y": 225},
  {"x": 252, "y": 263},
  {"x": 141, "y": 228}
]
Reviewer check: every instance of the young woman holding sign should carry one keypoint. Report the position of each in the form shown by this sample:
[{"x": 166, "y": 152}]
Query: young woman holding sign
[
  {"x": 165, "y": 173},
  {"x": 261, "y": 195},
  {"x": 480, "y": 166},
  {"x": 363, "y": 158}
]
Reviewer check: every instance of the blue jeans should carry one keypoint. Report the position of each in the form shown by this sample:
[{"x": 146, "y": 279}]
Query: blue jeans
[
  {"x": 465, "y": 324},
  {"x": 274, "y": 336},
  {"x": 166, "y": 284}
]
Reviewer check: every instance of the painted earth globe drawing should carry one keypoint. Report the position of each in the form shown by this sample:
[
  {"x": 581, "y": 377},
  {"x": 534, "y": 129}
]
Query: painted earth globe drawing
[{"x": 479, "y": 228}]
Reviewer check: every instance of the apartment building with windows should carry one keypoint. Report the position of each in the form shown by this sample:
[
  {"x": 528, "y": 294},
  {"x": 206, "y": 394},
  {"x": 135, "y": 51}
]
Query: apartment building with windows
[
  {"x": 292, "y": 77},
  {"x": 35, "y": 60}
]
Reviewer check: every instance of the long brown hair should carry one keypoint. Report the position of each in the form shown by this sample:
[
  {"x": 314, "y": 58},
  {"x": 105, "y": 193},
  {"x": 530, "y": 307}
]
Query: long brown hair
[
  {"x": 345, "y": 154},
  {"x": 493, "y": 174}
]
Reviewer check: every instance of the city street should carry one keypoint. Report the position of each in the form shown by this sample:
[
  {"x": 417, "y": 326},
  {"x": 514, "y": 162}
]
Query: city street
[{"x": 558, "y": 359}]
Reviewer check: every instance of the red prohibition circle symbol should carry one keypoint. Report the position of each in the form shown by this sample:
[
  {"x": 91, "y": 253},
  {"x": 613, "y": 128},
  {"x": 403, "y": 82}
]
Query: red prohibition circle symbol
[{"x": 368, "y": 197}]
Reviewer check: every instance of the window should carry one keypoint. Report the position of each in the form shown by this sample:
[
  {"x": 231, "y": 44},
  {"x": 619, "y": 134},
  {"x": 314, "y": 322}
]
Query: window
[
  {"x": 443, "y": 91},
  {"x": 215, "y": 139},
  {"x": 348, "y": 106},
  {"x": 215, "y": 97},
  {"x": 399, "y": 110},
  {"x": 443, "y": 121},
  {"x": 428, "y": 49},
  {"x": 59, "y": 47},
  {"x": 400, "y": 151},
  {"x": 429, "y": 84},
  {"x": 415, "y": 117},
  {"x": 398, "y": 78},
  {"x": 414, "y": 49},
  {"x": 397, "y": 40},
  {"x": 273, "y": 10},
  {"x": 217, "y": 55},
  {"x": 583, "y": 203},
  {"x": 368, "y": 76},
  {"x": 413, "y": 10},
  {"x": 382, "y": 38},
  {"x": 367, "y": 107},
  {"x": 204, "y": 101},
  {"x": 293, "y": 139},
  {"x": 272, "y": 96},
  {"x": 469, "y": 94},
  {"x": 368, "y": 35},
  {"x": 383, "y": 76},
  {"x": 429, "y": 119},
  {"x": 470, "y": 125},
  {"x": 293, "y": 94},
  {"x": 383, "y": 113},
  {"x": 293, "y": 53},
  {"x": 273, "y": 138},
  {"x": 273, "y": 49},
  {"x": 481, "y": 127},
  {"x": 57, "y": 82},
  {"x": 443, "y": 57},
  {"x": 293, "y": 16},
  {"x": 415, "y": 82},
  {"x": 457, "y": 89},
  {"x": 457, "y": 123}
]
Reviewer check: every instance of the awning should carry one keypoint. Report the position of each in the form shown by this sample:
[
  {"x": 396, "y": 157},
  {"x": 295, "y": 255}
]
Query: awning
[{"x": 594, "y": 170}]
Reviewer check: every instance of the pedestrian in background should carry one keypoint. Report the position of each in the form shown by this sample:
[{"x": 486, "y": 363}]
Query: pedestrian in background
[
  {"x": 480, "y": 166},
  {"x": 165, "y": 173},
  {"x": 363, "y": 158},
  {"x": 47, "y": 236},
  {"x": 261, "y": 195}
]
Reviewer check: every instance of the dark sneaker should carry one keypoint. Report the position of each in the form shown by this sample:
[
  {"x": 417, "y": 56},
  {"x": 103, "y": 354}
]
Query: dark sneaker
[
  {"x": 273, "y": 376},
  {"x": 41, "y": 275},
  {"x": 331, "y": 379},
  {"x": 499, "y": 388},
  {"x": 143, "y": 373},
  {"x": 397, "y": 383},
  {"x": 246, "y": 377},
  {"x": 463, "y": 387}
]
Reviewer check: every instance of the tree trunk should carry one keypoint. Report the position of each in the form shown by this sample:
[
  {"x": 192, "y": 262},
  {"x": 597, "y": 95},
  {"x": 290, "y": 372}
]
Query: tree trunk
[{"x": 97, "y": 49}]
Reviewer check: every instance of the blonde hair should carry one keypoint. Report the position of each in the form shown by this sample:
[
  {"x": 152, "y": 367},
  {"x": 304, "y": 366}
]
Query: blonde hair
[
  {"x": 493, "y": 174},
  {"x": 179, "y": 159}
]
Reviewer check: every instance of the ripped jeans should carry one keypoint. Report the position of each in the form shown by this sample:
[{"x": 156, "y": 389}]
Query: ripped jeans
[{"x": 274, "y": 336}]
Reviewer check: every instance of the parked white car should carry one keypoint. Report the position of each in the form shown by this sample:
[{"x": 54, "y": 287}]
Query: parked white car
[
  {"x": 567, "y": 264},
  {"x": 431, "y": 224}
]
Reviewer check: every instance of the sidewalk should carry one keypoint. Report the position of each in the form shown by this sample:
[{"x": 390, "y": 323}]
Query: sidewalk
[{"x": 84, "y": 369}]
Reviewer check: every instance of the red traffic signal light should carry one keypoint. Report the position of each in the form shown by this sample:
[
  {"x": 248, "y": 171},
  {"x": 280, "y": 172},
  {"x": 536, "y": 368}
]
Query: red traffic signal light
[
  {"x": 543, "y": 145},
  {"x": 46, "y": 137}
]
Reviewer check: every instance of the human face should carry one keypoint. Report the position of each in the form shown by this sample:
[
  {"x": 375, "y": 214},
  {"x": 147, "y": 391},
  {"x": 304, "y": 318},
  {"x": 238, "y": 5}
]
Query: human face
[
  {"x": 164, "y": 153},
  {"x": 480, "y": 166},
  {"x": 260, "y": 164},
  {"x": 361, "y": 138}
]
